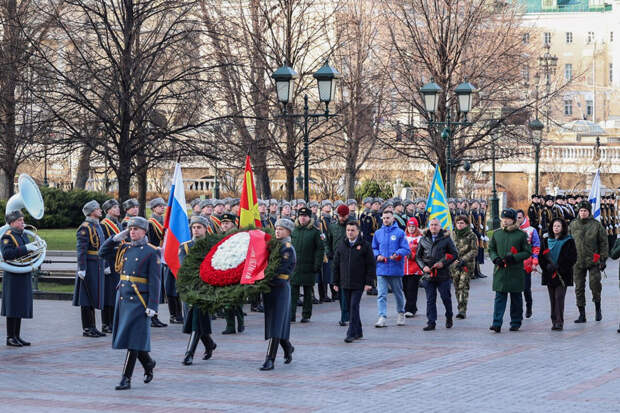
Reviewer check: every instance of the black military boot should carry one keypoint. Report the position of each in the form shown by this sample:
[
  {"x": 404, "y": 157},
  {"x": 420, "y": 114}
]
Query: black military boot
[
  {"x": 130, "y": 362},
  {"x": 288, "y": 350},
  {"x": 18, "y": 329},
  {"x": 156, "y": 322},
  {"x": 230, "y": 322},
  {"x": 148, "y": 363},
  {"x": 599, "y": 315},
  {"x": 107, "y": 318},
  {"x": 582, "y": 315},
  {"x": 209, "y": 346},
  {"x": 528, "y": 310},
  {"x": 240, "y": 325},
  {"x": 191, "y": 348},
  {"x": 11, "y": 340},
  {"x": 272, "y": 350}
]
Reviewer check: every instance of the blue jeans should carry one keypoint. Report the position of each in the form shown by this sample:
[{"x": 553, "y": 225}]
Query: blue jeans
[
  {"x": 396, "y": 284},
  {"x": 431, "y": 288},
  {"x": 516, "y": 309}
]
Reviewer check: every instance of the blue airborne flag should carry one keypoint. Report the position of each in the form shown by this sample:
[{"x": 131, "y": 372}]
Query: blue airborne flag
[{"x": 437, "y": 204}]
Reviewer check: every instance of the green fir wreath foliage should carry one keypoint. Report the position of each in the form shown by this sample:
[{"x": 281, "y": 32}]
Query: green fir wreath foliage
[{"x": 194, "y": 291}]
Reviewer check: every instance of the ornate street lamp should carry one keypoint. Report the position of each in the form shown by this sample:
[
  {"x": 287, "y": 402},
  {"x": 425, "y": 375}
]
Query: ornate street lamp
[
  {"x": 326, "y": 78},
  {"x": 536, "y": 126}
]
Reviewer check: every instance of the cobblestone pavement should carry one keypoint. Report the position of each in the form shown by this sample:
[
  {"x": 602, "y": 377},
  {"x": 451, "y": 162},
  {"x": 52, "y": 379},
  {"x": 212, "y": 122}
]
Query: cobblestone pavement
[{"x": 465, "y": 369}]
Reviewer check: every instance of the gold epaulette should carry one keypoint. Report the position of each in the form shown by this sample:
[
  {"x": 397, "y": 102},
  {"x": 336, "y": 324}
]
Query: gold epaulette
[
  {"x": 118, "y": 262},
  {"x": 288, "y": 245}
]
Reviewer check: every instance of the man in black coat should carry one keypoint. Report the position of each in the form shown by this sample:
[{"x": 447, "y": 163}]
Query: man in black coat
[
  {"x": 354, "y": 272},
  {"x": 435, "y": 253}
]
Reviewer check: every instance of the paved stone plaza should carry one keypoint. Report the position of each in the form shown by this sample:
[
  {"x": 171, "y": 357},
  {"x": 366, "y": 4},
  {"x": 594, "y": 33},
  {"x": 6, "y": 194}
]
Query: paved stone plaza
[{"x": 466, "y": 369}]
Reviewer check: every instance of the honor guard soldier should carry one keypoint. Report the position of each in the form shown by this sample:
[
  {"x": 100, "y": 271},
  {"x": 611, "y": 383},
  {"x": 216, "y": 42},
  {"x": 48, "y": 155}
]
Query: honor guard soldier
[
  {"x": 546, "y": 215},
  {"x": 16, "y": 288},
  {"x": 131, "y": 207},
  {"x": 352, "y": 204},
  {"x": 227, "y": 225},
  {"x": 273, "y": 213},
  {"x": 314, "y": 209},
  {"x": 409, "y": 208},
  {"x": 156, "y": 237},
  {"x": 197, "y": 322},
  {"x": 285, "y": 211},
  {"x": 420, "y": 212},
  {"x": 218, "y": 210},
  {"x": 278, "y": 300},
  {"x": 325, "y": 275},
  {"x": 137, "y": 298},
  {"x": 110, "y": 226},
  {"x": 368, "y": 222},
  {"x": 533, "y": 214},
  {"x": 399, "y": 213},
  {"x": 89, "y": 283},
  {"x": 195, "y": 205}
]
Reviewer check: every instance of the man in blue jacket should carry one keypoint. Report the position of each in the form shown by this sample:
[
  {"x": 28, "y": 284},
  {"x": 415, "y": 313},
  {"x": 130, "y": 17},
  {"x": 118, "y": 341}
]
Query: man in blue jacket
[{"x": 390, "y": 247}]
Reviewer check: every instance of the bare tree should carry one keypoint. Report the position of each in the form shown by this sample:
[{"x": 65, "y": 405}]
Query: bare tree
[
  {"x": 23, "y": 120},
  {"x": 451, "y": 41},
  {"x": 251, "y": 40},
  {"x": 131, "y": 82}
]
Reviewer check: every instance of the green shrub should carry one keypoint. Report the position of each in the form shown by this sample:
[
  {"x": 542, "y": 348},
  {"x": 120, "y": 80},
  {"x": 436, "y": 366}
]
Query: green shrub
[
  {"x": 373, "y": 188},
  {"x": 63, "y": 209}
]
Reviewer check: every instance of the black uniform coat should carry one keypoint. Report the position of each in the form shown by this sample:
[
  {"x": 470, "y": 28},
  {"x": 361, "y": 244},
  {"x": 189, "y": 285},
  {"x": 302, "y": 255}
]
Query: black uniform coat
[
  {"x": 16, "y": 288},
  {"x": 564, "y": 268},
  {"x": 132, "y": 328},
  {"x": 110, "y": 228},
  {"x": 354, "y": 265},
  {"x": 156, "y": 237},
  {"x": 277, "y": 302},
  {"x": 89, "y": 238},
  {"x": 196, "y": 319}
]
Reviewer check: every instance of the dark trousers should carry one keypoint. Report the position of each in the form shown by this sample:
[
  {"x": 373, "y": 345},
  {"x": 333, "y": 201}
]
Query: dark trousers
[
  {"x": 527, "y": 292},
  {"x": 88, "y": 317},
  {"x": 344, "y": 307},
  {"x": 107, "y": 315},
  {"x": 353, "y": 297},
  {"x": 431, "y": 288},
  {"x": 556, "y": 299},
  {"x": 13, "y": 326},
  {"x": 306, "y": 310},
  {"x": 516, "y": 309},
  {"x": 410, "y": 288}
]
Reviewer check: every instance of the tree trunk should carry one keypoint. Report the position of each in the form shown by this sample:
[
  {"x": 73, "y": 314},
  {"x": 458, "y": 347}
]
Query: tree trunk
[
  {"x": 290, "y": 182},
  {"x": 4, "y": 185},
  {"x": 83, "y": 168},
  {"x": 142, "y": 185},
  {"x": 263, "y": 188}
]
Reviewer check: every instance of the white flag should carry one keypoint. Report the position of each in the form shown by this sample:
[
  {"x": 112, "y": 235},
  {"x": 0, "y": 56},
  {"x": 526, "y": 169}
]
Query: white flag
[{"x": 595, "y": 196}]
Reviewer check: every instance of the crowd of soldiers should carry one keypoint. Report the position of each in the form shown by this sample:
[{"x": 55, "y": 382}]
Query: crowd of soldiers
[{"x": 543, "y": 209}]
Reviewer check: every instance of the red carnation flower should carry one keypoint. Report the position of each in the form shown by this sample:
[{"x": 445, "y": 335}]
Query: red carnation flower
[
  {"x": 596, "y": 258},
  {"x": 513, "y": 250}
]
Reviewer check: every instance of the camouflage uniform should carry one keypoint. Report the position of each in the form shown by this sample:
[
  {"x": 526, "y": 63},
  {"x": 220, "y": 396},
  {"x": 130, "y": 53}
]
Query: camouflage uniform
[
  {"x": 467, "y": 245},
  {"x": 592, "y": 251}
]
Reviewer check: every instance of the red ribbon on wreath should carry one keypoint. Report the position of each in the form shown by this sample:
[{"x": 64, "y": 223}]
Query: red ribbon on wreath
[{"x": 220, "y": 278}]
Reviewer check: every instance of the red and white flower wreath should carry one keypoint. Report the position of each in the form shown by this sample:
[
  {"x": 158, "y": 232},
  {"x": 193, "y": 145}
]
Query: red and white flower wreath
[{"x": 224, "y": 263}]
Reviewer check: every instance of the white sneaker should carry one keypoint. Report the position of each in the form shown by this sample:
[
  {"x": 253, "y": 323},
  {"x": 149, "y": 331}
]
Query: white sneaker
[
  {"x": 409, "y": 314},
  {"x": 380, "y": 322},
  {"x": 400, "y": 321}
]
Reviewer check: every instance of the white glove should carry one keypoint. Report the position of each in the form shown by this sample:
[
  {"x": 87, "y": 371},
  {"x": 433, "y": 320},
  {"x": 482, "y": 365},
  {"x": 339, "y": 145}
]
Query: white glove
[
  {"x": 121, "y": 235},
  {"x": 33, "y": 246},
  {"x": 150, "y": 313},
  {"x": 107, "y": 271},
  {"x": 81, "y": 274}
]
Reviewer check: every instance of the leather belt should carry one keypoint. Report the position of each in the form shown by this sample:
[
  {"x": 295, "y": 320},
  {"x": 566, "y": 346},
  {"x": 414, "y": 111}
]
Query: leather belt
[
  {"x": 93, "y": 252},
  {"x": 283, "y": 276},
  {"x": 134, "y": 279}
]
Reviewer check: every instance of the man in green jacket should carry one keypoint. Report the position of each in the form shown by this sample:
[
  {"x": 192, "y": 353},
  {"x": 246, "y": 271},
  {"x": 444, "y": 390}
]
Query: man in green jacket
[
  {"x": 309, "y": 248},
  {"x": 592, "y": 251},
  {"x": 508, "y": 249},
  {"x": 615, "y": 254}
]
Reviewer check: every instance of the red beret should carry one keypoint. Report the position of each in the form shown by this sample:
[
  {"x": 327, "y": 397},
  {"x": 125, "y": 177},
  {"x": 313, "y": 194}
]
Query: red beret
[{"x": 343, "y": 210}]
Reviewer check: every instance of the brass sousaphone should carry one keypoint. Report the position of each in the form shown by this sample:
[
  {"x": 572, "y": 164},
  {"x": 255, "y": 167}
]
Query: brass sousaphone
[{"x": 28, "y": 197}]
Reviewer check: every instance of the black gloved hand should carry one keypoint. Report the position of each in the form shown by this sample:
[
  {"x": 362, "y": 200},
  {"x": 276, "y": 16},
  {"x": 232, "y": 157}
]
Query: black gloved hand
[
  {"x": 510, "y": 260},
  {"x": 602, "y": 266},
  {"x": 460, "y": 265},
  {"x": 498, "y": 261},
  {"x": 551, "y": 267}
]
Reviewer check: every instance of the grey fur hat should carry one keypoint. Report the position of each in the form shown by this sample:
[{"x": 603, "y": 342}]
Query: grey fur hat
[
  {"x": 109, "y": 204},
  {"x": 89, "y": 207},
  {"x": 130, "y": 203},
  {"x": 286, "y": 223},
  {"x": 138, "y": 222},
  {"x": 13, "y": 216},
  {"x": 199, "y": 219},
  {"x": 155, "y": 202}
]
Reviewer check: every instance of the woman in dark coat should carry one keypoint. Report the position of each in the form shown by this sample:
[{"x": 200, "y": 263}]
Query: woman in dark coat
[
  {"x": 277, "y": 302},
  {"x": 557, "y": 259}
]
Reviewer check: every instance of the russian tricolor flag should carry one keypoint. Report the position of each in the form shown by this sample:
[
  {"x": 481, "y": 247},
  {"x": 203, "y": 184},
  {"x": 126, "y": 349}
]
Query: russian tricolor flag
[{"x": 176, "y": 222}]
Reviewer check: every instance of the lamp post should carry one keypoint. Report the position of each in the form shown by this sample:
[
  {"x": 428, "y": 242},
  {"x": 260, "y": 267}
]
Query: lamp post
[
  {"x": 326, "y": 78},
  {"x": 548, "y": 63},
  {"x": 430, "y": 93},
  {"x": 45, "y": 182},
  {"x": 536, "y": 126},
  {"x": 495, "y": 222}
]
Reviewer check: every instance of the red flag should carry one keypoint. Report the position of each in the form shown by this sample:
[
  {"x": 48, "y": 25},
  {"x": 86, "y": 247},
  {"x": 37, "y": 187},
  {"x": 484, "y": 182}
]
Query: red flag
[
  {"x": 257, "y": 257},
  {"x": 249, "y": 216}
]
